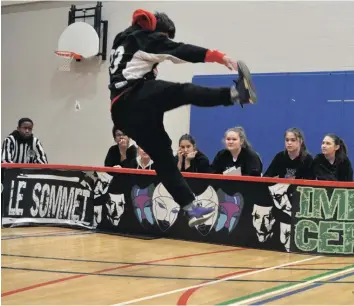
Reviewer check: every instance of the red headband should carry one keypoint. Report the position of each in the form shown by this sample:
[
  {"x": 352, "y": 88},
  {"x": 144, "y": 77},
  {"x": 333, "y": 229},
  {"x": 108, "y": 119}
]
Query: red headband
[{"x": 144, "y": 19}]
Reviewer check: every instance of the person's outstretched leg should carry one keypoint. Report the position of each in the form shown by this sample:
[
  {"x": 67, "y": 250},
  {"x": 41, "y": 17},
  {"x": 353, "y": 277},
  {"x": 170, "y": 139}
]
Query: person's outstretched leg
[
  {"x": 165, "y": 96},
  {"x": 139, "y": 114},
  {"x": 149, "y": 133}
]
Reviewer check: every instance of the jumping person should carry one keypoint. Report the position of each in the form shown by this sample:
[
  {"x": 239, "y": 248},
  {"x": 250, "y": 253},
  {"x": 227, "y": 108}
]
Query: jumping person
[{"x": 138, "y": 101}]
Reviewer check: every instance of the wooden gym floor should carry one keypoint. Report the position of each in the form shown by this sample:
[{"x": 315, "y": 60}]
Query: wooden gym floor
[{"x": 47, "y": 265}]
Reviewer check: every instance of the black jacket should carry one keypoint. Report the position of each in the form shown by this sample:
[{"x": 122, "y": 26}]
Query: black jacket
[
  {"x": 285, "y": 167},
  {"x": 200, "y": 164},
  {"x": 325, "y": 171},
  {"x": 248, "y": 160},
  {"x": 113, "y": 156},
  {"x": 137, "y": 52}
]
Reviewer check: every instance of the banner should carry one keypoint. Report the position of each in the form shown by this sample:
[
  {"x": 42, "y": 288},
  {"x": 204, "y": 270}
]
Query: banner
[
  {"x": 256, "y": 214},
  {"x": 323, "y": 221},
  {"x": 46, "y": 196}
]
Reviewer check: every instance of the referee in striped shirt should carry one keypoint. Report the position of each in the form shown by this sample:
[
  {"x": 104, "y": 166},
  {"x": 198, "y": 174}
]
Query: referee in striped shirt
[{"x": 22, "y": 147}]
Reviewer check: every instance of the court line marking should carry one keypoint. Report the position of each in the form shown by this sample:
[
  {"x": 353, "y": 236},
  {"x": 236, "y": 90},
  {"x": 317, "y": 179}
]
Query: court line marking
[
  {"x": 279, "y": 289},
  {"x": 185, "y": 296},
  {"x": 60, "y": 234},
  {"x": 167, "y": 277},
  {"x": 15, "y": 291},
  {"x": 149, "y": 297},
  {"x": 34, "y": 233},
  {"x": 295, "y": 268},
  {"x": 309, "y": 287}
]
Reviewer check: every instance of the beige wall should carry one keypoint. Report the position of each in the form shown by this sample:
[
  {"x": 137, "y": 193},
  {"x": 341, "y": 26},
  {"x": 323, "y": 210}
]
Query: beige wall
[{"x": 270, "y": 36}]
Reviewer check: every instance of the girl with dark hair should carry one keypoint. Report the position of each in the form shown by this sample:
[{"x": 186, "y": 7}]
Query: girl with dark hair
[
  {"x": 189, "y": 158},
  {"x": 294, "y": 162},
  {"x": 123, "y": 153},
  {"x": 237, "y": 154},
  {"x": 333, "y": 163}
]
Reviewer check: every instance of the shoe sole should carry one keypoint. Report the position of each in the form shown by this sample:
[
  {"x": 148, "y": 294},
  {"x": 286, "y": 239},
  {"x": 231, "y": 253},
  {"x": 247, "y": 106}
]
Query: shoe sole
[
  {"x": 194, "y": 221},
  {"x": 244, "y": 72}
]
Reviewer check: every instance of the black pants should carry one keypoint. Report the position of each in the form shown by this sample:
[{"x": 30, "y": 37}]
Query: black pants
[{"x": 139, "y": 114}]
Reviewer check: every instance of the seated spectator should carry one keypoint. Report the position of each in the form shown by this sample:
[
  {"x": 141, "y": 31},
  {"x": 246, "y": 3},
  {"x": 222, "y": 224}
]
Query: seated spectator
[
  {"x": 189, "y": 158},
  {"x": 237, "y": 154},
  {"x": 123, "y": 153},
  {"x": 333, "y": 163},
  {"x": 142, "y": 161},
  {"x": 22, "y": 147},
  {"x": 294, "y": 162}
]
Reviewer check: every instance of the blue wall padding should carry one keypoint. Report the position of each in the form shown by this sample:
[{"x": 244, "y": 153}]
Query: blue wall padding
[{"x": 303, "y": 100}]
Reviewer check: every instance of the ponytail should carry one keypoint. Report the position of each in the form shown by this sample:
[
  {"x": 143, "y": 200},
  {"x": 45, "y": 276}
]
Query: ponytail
[{"x": 342, "y": 152}]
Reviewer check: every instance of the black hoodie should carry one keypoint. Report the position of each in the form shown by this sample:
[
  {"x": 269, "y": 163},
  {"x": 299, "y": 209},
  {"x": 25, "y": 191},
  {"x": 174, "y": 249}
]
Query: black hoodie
[
  {"x": 248, "y": 160},
  {"x": 199, "y": 164},
  {"x": 283, "y": 166},
  {"x": 113, "y": 156},
  {"x": 338, "y": 171}
]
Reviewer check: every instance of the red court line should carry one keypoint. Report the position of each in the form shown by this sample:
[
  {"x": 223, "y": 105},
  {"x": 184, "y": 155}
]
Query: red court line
[
  {"x": 183, "y": 299},
  {"x": 185, "y": 296},
  {"x": 111, "y": 269},
  {"x": 185, "y": 174}
]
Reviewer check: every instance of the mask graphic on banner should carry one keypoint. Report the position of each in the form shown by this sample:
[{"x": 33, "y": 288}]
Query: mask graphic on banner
[
  {"x": 263, "y": 221},
  {"x": 142, "y": 203},
  {"x": 230, "y": 210},
  {"x": 280, "y": 197},
  {"x": 282, "y": 201},
  {"x": 164, "y": 207},
  {"x": 108, "y": 207},
  {"x": 207, "y": 199}
]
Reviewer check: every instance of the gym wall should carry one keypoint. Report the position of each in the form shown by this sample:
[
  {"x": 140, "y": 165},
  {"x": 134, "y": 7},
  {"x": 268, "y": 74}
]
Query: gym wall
[{"x": 269, "y": 36}]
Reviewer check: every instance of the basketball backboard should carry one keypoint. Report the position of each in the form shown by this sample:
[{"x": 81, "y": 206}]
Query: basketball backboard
[
  {"x": 82, "y": 39},
  {"x": 79, "y": 38}
]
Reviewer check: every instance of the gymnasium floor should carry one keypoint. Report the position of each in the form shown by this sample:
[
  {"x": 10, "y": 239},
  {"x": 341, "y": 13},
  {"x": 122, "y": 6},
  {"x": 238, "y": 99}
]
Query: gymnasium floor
[{"x": 47, "y": 265}]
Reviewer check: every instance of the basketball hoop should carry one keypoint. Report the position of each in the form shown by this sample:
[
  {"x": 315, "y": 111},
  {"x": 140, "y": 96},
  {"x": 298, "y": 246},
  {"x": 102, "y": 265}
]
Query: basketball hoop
[
  {"x": 66, "y": 59},
  {"x": 81, "y": 39}
]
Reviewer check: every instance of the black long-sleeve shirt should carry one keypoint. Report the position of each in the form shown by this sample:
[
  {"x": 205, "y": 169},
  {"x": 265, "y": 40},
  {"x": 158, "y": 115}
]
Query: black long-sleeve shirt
[
  {"x": 338, "y": 171},
  {"x": 285, "y": 167},
  {"x": 200, "y": 164},
  {"x": 136, "y": 52},
  {"x": 113, "y": 157},
  {"x": 248, "y": 160}
]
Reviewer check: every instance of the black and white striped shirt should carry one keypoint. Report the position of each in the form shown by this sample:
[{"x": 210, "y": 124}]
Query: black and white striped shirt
[{"x": 16, "y": 150}]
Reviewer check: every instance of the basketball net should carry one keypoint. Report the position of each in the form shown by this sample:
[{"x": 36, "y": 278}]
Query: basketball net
[{"x": 66, "y": 57}]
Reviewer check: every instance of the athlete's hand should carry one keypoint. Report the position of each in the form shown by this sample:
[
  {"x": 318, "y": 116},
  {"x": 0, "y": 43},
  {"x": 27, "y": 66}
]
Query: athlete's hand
[{"x": 229, "y": 63}]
